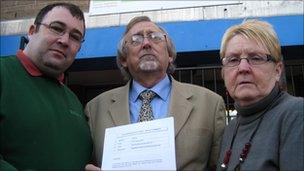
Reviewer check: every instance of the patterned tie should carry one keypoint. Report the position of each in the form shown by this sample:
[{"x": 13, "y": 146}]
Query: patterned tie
[{"x": 145, "y": 113}]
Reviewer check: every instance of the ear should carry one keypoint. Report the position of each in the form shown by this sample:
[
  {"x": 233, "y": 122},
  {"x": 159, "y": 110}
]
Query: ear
[
  {"x": 123, "y": 62},
  {"x": 32, "y": 30},
  {"x": 170, "y": 59},
  {"x": 222, "y": 73},
  {"x": 278, "y": 70},
  {"x": 79, "y": 48}
]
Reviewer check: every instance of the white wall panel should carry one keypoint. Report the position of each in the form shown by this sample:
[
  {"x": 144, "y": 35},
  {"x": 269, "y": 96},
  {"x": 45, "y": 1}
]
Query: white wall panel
[{"x": 228, "y": 10}]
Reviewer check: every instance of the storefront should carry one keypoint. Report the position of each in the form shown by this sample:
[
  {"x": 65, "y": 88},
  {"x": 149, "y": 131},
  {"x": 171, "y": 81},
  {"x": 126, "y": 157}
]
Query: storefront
[{"x": 197, "y": 44}]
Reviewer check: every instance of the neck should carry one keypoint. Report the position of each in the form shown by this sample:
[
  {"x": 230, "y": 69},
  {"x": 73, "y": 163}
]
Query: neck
[
  {"x": 259, "y": 105},
  {"x": 46, "y": 70},
  {"x": 149, "y": 80},
  {"x": 29, "y": 54},
  {"x": 250, "y": 113}
]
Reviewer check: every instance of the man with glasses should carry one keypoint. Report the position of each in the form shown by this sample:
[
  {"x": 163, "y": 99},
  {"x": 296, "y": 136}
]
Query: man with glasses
[
  {"x": 43, "y": 126},
  {"x": 146, "y": 56}
]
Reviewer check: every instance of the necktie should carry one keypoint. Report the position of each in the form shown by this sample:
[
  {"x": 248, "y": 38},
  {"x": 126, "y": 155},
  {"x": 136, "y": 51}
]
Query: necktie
[{"x": 145, "y": 113}]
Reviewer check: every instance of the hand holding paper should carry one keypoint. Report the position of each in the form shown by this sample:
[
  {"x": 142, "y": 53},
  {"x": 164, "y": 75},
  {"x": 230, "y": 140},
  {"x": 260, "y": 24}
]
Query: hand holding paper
[{"x": 141, "y": 146}]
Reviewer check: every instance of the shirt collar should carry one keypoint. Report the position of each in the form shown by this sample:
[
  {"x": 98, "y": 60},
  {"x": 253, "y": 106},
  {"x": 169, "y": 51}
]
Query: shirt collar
[
  {"x": 31, "y": 68},
  {"x": 162, "y": 89}
]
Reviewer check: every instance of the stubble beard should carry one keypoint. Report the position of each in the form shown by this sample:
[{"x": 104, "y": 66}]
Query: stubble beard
[
  {"x": 51, "y": 67},
  {"x": 148, "y": 63}
]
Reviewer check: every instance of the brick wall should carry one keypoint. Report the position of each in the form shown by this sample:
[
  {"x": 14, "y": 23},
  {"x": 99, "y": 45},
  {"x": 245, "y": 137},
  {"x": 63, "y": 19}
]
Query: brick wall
[{"x": 23, "y": 9}]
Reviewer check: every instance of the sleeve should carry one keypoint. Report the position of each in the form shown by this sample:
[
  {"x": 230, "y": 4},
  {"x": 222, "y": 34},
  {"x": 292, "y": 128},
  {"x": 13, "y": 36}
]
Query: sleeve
[
  {"x": 219, "y": 125},
  {"x": 291, "y": 150},
  {"x": 6, "y": 166},
  {"x": 87, "y": 112},
  {"x": 3, "y": 164}
]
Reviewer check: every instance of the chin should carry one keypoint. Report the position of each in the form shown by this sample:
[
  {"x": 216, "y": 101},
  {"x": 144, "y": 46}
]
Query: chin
[
  {"x": 149, "y": 71},
  {"x": 246, "y": 98},
  {"x": 149, "y": 67}
]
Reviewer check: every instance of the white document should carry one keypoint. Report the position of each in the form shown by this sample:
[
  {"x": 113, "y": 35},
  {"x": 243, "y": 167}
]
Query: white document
[{"x": 140, "y": 146}]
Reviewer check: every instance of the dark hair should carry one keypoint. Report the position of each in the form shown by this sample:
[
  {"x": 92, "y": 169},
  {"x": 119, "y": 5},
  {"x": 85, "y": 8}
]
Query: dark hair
[{"x": 74, "y": 10}]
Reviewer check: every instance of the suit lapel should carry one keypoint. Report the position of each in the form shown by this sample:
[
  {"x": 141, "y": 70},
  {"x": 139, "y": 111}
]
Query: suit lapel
[
  {"x": 180, "y": 107},
  {"x": 119, "y": 110}
]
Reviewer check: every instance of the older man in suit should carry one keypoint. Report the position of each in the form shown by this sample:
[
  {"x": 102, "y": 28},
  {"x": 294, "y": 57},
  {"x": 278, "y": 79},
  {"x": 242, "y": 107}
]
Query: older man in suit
[{"x": 146, "y": 57}]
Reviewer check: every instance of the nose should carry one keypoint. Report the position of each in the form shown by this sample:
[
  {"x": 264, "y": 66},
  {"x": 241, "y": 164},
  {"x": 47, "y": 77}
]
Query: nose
[
  {"x": 64, "y": 39},
  {"x": 244, "y": 65},
  {"x": 146, "y": 43}
]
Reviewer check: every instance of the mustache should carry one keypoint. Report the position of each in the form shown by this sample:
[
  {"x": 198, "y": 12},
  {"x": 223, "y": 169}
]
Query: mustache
[{"x": 148, "y": 57}]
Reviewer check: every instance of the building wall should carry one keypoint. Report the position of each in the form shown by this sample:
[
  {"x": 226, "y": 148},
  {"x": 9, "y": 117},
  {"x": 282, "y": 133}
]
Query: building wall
[
  {"x": 226, "y": 10},
  {"x": 12, "y": 10},
  {"x": 25, "y": 9},
  {"x": 16, "y": 17}
]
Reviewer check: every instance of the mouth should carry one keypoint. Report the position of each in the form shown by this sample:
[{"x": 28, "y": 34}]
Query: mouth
[
  {"x": 58, "y": 51},
  {"x": 244, "y": 82},
  {"x": 147, "y": 56}
]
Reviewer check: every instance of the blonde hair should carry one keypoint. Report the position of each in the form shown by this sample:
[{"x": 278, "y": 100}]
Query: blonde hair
[{"x": 259, "y": 31}]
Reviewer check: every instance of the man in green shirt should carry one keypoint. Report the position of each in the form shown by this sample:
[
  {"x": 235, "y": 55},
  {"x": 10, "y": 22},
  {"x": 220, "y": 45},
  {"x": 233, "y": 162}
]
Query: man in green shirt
[{"x": 42, "y": 125}]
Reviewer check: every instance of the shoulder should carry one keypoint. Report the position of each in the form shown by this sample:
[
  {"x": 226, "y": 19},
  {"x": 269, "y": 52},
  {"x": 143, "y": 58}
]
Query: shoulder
[
  {"x": 3, "y": 58},
  {"x": 7, "y": 60},
  {"x": 292, "y": 99},
  {"x": 291, "y": 103},
  {"x": 10, "y": 67},
  {"x": 288, "y": 110},
  {"x": 107, "y": 95},
  {"x": 195, "y": 90}
]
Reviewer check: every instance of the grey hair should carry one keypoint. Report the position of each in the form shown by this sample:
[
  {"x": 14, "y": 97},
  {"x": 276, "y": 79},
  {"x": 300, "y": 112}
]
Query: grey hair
[{"x": 122, "y": 49}]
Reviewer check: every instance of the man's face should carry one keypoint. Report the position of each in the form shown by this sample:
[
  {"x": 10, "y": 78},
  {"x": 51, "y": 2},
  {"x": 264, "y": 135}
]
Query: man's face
[
  {"x": 53, "y": 53},
  {"x": 150, "y": 56},
  {"x": 248, "y": 83}
]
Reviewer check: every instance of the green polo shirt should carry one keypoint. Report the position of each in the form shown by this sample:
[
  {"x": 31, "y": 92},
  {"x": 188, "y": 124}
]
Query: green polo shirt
[{"x": 42, "y": 125}]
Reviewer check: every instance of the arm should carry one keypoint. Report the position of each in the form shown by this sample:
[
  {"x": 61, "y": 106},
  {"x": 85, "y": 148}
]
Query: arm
[
  {"x": 90, "y": 167},
  {"x": 219, "y": 125},
  {"x": 291, "y": 150},
  {"x": 87, "y": 112},
  {"x": 5, "y": 165}
]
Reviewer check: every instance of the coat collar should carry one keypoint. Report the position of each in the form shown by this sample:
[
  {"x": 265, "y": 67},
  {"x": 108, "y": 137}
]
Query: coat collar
[
  {"x": 180, "y": 107},
  {"x": 119, "y": 110}
]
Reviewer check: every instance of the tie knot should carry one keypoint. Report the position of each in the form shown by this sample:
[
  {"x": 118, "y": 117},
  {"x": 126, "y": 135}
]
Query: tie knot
[{"x": 147, "y": 95}]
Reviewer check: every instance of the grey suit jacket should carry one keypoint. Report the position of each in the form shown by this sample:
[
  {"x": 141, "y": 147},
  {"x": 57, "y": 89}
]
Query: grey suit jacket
[{"x": 199, "y": 120}]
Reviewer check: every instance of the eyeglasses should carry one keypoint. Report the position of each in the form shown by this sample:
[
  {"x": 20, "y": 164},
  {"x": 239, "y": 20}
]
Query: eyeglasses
[
  {"x": 155, "y": 37},
  {"x": 60, "y": 29},
  {"x": 252, "y": 60}
]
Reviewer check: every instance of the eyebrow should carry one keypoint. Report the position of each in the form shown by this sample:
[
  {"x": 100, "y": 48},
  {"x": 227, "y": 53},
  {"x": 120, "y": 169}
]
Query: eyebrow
[
  {"x": 141, "y": 32},
  {"x": 74, "y": 30}
]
